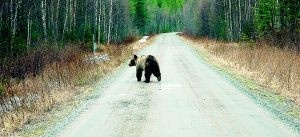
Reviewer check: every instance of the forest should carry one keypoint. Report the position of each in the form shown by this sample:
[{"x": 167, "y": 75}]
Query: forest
[
  {"x": 25, "y": 24},
  {"x": 46, "y": 45},
  {"x": 28, "y": 26},
  {"x": 276, "y": 21}
]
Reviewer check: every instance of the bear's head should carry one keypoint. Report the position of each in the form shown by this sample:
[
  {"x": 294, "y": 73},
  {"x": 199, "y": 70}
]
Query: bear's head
[{"x": 133, "y": 61}]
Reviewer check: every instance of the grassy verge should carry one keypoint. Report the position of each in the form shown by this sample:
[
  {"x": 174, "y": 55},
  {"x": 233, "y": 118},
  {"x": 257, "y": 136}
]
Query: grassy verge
[
  {"x": 270, "y": 74},
  {"x": 61, "y": 85}
]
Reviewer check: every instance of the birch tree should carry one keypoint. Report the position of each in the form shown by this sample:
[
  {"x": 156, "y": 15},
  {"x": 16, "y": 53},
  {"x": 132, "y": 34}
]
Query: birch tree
[
  {"x": 110, "y": 22},
  {"x": 29, "y": 24},
  {"x": 43, "y": 10}
]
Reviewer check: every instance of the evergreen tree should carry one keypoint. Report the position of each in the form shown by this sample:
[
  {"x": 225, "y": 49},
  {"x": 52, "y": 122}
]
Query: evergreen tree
[
  {"x": 266, "y": 15},
  {"x": 141, "y": 15}
]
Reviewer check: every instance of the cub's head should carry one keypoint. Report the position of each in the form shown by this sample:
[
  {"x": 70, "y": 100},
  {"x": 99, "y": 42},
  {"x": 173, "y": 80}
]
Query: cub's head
[{"x": 133, "y": 61}]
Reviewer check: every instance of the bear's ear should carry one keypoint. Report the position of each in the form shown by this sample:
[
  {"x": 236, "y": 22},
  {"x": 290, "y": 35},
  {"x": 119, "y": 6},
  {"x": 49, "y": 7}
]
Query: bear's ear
[{"x": 135, "y": 56}]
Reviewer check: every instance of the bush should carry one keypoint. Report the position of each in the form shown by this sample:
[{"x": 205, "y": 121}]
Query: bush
[{"x": 1, "y": 89}]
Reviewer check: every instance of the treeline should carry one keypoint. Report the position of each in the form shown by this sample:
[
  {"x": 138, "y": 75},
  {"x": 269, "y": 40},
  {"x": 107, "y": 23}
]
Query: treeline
[
  {"x": 165, "y": 15},
  {"x": 26, "y": 23},
  {"x": 234, "y": 20}
]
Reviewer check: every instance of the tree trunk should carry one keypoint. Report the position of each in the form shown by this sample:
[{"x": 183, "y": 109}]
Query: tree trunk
[
  {"x": 240, "y": 20},
  {"x": 74, "y": 13},
  {"x": 249, "y": 9},
  {"x": 51, "y": 24},
  {"x": 70, "y": 22},
  {"x": 85, "y": 21},
  {"x": 56, "y": 19},
  {"x": 110, "y": 23},
  {"x": 11, "y": 14},
  {"x": 66, "y": 18},
  {"x": 29, "y": 24},
  {"x": 230, "y": 21},
  {"x": 99, "y": 21},
  {"x": 15, "y": 19},
  {"x": 1, "y": 20},
  {"x": 104, "y": 22},
  {"x": 96, "y": 21},
  {"x": 44, "y": 7},
  {"x": 14, "y": 28}
]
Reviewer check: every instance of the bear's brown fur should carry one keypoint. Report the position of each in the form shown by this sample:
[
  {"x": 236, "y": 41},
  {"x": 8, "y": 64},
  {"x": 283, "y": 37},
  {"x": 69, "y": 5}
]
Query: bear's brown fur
[{"x": 149, "y": 64}]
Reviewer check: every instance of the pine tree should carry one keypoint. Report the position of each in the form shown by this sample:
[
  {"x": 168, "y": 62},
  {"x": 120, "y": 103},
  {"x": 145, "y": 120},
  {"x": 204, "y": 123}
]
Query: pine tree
[{"x": 141, "y": 15}]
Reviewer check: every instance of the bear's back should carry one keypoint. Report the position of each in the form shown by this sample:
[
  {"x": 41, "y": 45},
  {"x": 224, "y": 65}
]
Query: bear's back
[{"x": 140, "y": 64}]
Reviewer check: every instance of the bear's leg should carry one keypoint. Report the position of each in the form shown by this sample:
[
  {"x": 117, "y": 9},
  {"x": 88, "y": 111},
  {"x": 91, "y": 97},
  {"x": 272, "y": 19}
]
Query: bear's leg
[
  {"x": 148, "y": 74},
  {"x": 139, "y": 73},
  {"x": 156, "y": 72},
  {"x": 157, "y": 75}
]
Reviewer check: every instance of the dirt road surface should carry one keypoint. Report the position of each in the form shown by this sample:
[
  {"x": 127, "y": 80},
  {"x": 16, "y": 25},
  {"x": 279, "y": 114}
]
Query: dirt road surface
[{"x": 192, "y": 100}]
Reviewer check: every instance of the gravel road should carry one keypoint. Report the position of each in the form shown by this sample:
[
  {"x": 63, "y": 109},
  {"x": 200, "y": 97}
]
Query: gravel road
[{"x": 192, "y": 100}]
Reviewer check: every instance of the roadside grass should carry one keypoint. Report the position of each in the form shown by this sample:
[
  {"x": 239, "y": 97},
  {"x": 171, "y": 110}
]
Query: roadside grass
[
  {"x": 250, "y": 67},
  {"x": 270, "y": 67},
  {"x": 65, "y": 81}
]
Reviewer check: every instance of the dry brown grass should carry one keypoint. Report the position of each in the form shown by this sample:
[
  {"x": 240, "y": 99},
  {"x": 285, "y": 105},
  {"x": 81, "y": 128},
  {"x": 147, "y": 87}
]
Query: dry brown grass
[
  {"x": 271, "y": 67},
  {"x": 59, "y": 82}
]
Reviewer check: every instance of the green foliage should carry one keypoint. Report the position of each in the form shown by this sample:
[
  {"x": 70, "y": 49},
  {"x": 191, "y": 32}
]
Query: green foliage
[
  {"x": 273, "y": 17},
  {"x": 88, "y": 35},
  {"x": 5, "y": 41},
  {"x": 36, "y": 33},
  {"x": 274, "y": 20},
  {"x": 171, "y": 6},
  {"x": 26, "y": 24},
  {"x": 141, "y": 15},
  {"x": 244, "y": 38},
  {"x": 266, "y": 14},
  {"x": 217, "y": 20},
  {"x": 70, "y": 21},
  {"x": 208, "y": 20},
  {"x": 19, "y": 46},
  {"x": 246, "y": 41},
  {"x": 155, "y": 16},
  {"x": 2, "y": 90}
]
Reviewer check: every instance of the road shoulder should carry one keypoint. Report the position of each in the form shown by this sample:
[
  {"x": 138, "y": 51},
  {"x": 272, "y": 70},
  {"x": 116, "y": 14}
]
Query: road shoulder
[
  {"x": 281, "y": 107},
  {"x": 61, "y": 115}
]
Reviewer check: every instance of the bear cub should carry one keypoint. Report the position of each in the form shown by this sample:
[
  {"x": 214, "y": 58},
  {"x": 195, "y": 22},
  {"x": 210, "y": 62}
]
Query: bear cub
[{"x": 147, "y": 63}]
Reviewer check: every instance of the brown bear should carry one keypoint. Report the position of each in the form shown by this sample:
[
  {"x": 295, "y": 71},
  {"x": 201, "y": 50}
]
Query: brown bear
[{"x": 147, "y": 63}]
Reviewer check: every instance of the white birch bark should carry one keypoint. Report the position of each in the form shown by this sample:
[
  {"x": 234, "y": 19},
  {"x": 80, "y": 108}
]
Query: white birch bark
[
  {"x": 66, "y": 17},
  {"x": 29, "y": 24},
  {"x": 249, "y": 9},
  {"x": 96, "y": 20},
  {"x": 104, "y": 21},
  {"x": 99, "y": 21},
  {"x": 56, "y": 18},
  {"x": 71, "y": 16},
  {"x": 240, "y": 19},
  {"x": 74, "y": 13},
  {"x": 85, "y": 21},
  {"x": 227, "y": 19},
  {"x": 110, "y": 23},
  {"x": 51, "y": 24},
  {"x": 44, "y": 7},
  {"x": 246, "y": 10},
  {"x": 230, "y": 21},
  {"x": 15, "y": 20},
  {"x": 14, "y": 27},
  {"x": 11, "y": 14}
]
